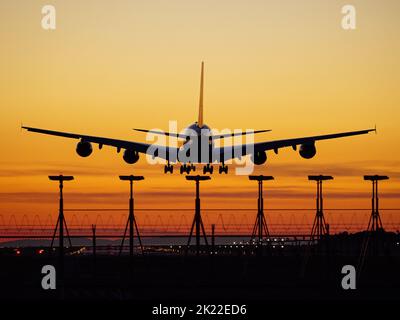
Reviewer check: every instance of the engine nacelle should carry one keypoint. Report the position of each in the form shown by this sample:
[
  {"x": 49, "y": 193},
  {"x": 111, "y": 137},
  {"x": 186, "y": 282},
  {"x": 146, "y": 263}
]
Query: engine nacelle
[
  {"x": 259, "y": 157},
  {"x": 131, "y": 156},
  {"x": 307, "y": 150},
  {"x": 84, "y": 148}
]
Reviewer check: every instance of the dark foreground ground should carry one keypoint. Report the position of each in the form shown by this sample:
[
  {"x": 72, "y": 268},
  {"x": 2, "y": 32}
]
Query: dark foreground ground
[{"x": 164, "y": 278}]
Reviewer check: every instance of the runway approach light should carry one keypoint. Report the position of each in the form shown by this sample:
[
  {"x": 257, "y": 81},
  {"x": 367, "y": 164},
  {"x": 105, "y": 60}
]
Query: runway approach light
[
  {"x": 261, "y": 178},
  {"x": 198, "y": 177},
  {"x": 376, "y": 178},
  {"x": 131, "y": 178},
  {"x": 320, "y": 178},
  {"x": 61, "y": 178}
]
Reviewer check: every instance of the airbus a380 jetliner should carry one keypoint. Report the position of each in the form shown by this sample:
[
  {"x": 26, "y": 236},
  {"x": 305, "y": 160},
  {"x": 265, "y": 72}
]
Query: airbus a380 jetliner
[{"x": 200, "y": 134}]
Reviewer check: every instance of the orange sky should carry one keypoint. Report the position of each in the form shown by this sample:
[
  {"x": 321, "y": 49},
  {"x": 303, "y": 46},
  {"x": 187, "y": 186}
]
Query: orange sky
[{"x": 281, "y": 65}]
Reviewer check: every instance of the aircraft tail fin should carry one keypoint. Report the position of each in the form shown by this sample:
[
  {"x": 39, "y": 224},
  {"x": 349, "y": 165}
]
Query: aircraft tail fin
[{"x": 200, "y": 119}]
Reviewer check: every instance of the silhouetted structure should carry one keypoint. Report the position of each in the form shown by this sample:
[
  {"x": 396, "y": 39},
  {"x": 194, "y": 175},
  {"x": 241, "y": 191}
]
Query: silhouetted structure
[
  {"x": 60, "y": 224},
  {"x": 197, "y": 221},
  {"x": 260, "y": 227},
  {"x": 213, "y": 238},
  {"x": 375, "y": 222},
  {"x": 94, "y": 240},
  {"x": 320, "y": 227},
  {"x": 61, "y": 219},
  {"x": 131, "y": 218}
]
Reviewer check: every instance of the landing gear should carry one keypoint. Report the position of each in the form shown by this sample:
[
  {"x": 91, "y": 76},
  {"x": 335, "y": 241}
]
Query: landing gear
[
  {"x": 187, "y": 168},
  {"x": 168, "y": 168},
  {"x": 208, "y": 169},
  {"x": 223, "y": 169}
]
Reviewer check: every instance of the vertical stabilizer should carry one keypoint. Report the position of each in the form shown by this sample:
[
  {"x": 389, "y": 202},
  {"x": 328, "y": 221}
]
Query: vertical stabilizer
[{"x": 200, "y": 119}]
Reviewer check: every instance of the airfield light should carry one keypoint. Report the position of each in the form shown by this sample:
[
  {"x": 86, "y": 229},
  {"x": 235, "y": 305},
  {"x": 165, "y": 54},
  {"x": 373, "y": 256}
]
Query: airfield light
[
  {"x": 260, "y": 227},
  {"x": 320, "y": 227},
  {"x": 131, "y": 218}
]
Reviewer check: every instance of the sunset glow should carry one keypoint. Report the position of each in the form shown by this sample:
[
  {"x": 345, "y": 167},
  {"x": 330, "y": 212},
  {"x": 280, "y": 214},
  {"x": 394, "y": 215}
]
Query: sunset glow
[{"x": 113, "y": 66}]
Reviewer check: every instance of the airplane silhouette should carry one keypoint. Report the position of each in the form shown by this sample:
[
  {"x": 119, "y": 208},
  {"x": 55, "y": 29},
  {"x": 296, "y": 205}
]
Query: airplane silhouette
[{"x": 198, "y": 134}]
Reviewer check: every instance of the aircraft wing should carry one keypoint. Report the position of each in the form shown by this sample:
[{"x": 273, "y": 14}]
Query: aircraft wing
[
  {"x": 245, "y": 149},
  {"x": 119, "y": 144}
]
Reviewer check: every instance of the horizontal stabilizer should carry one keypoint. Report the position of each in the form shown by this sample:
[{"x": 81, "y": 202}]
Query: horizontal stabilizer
[
  {"x": 170, "y": 134},
  {"x": 227, "y": 135}
]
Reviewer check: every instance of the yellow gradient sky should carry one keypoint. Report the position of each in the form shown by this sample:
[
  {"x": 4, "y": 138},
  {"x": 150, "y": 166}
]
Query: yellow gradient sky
[{"x": 114, "y": 65}]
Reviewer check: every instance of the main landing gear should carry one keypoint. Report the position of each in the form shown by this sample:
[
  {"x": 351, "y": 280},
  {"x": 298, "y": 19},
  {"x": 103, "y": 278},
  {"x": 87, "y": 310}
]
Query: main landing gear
[
  {"x": 210, "y": 169},
  {"x": 169, "y": 168},
  {"x": 187, "y": 168},
  {"x": 223, "y": 169}
]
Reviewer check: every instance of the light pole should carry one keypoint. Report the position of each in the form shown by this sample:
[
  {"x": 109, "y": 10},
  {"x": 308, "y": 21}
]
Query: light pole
[
  {"x": 197, "y": 221},
  {"x": 260, "y": 227},
  {"x": 60, "y": 224},
  {"x": 320, "y": 227},
  {"x": 375, "y": 222},
  {"x": 131, "y": 218},
  {"x": 61, "y": 219}
]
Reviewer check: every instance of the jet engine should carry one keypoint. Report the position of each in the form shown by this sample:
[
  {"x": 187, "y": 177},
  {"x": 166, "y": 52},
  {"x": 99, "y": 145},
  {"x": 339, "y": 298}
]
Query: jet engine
[
  {"x": 307, "y": 150},
  {"x": 131, "y": 156},
  {"x": 259, "y": 157},
  {"x": 84, "y": 148}
]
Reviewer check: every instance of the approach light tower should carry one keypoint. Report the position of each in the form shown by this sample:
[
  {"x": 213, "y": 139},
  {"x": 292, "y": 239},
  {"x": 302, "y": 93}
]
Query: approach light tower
[
  {"x": 320, "y": 227},
  {"x": 375, "y": 222},
  {"x": 61, "y": 219},
  {"x": 131, "y": 218},
  {"x": 260, "y": 227},
  {"x": 197, "y": 221}
]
